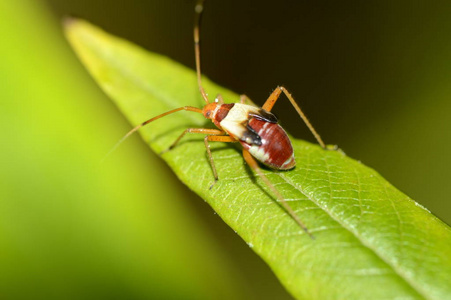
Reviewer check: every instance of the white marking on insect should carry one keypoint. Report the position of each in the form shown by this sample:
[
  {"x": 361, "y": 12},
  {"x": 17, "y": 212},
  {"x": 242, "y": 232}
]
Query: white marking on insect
[
  {"x": 240, "y": 113},
  {"x": 259, "y": 153}
]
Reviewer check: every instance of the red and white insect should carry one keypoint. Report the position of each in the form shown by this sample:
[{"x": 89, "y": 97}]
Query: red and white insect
[{"x": 256, "y": 129}]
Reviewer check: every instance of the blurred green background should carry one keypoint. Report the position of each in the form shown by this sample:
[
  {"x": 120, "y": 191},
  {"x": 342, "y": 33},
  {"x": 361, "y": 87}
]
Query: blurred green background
[{"x": 373, "y": 76}]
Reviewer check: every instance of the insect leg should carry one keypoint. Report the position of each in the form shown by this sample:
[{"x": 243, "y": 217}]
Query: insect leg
[
  {"x": 272, "y": 99},
  {"x": 194, "y": 130},
  {"x": 213, "y": 135},
  {"x": 254, "y": 165},
  {"x": 216, "y": 138}
]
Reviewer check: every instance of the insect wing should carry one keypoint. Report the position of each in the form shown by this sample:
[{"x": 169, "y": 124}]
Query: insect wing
[{"x": 264, "y": 116}]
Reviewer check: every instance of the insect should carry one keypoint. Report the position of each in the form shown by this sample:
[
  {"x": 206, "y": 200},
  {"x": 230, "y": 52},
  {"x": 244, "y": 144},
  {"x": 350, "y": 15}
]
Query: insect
[{"x": 256, "y": 129}]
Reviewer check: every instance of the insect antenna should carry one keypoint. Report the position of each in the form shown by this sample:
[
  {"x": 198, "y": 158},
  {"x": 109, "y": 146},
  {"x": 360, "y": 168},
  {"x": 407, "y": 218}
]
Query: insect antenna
[
  {"x": 187, "y": 108},
  {"x": 198, "y": 10}
]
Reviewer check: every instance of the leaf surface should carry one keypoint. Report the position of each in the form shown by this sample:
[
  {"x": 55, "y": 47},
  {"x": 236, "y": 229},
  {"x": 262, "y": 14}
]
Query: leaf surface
[{"x": 372, "y": 241}]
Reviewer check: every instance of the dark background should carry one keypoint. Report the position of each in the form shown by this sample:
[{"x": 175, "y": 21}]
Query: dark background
[{"x": 373, "y": 76}]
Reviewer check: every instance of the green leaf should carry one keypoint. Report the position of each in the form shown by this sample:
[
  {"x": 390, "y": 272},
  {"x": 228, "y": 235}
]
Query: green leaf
[{"x": 372, "y": 241}]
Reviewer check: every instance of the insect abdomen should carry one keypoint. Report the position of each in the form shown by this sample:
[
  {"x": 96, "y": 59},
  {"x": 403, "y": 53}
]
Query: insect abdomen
[{"x": 275, "y": 150}]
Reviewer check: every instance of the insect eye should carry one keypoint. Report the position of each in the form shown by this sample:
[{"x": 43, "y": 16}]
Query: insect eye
[{"x": 208, "y": 114}]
